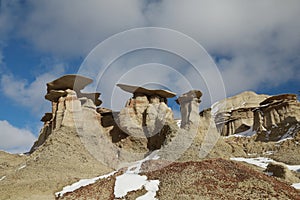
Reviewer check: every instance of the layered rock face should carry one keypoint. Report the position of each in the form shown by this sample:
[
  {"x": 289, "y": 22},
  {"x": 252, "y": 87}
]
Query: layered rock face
[
  {"x": 235, "y": 114},
  {"x": 271, "y": 117},
  {"x": 146, "y": 116},
  {"x": 68, "y": 104},
  {"x": 278, "y": 117}
]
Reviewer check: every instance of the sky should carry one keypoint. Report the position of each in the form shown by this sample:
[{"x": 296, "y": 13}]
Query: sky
[{"x": 253, "y": 45}]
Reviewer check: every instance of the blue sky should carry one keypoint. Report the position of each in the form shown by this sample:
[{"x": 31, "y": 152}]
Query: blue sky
[{"x": 255, "y": 45}]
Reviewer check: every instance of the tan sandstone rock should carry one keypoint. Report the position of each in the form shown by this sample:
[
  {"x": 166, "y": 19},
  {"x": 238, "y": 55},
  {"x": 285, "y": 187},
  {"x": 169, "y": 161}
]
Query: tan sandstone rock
[
  {"x": 145, "y": 116},
  {"x": 277, "y": 117},
  {"x": 235, "y": 114},
  {"x": 189, "y": 108}
]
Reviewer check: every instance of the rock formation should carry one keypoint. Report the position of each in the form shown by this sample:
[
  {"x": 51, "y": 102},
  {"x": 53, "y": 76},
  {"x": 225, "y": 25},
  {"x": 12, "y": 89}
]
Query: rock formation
[
  {"x": 277, "y": 117},
  {"x": 146, "y": 115},
  {"x": 189, "y": 108},
  {"x": 235, "y": 114},
  {"x": 67, "y": 103},
  {"x": 235, "y": 121}
]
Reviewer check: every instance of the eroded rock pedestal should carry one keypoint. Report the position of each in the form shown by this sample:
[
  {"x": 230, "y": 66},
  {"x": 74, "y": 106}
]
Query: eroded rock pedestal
[
  {"x": 146, "y": 116},
  {"x": 68, "y": 104},
  {"x": 189, "y": 108}
]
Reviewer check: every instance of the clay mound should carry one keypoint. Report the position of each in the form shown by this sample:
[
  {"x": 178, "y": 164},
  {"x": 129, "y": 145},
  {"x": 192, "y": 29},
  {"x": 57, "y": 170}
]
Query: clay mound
[
  {"x": 209, "y": 179},
  {"x": 60, "y": 161}
]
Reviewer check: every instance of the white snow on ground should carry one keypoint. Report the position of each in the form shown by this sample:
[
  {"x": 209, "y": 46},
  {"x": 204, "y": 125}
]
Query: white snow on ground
[
  {"x": 131, "y": 181},
  {"x": 2, "y": 178},
  {"x": 152, "y": 188},
  {"x": 288, "y": 135},
  {"x": 178, "y": 122},
  {"x": 263, "y": 162},
  {"x": 247, "y": 133},
  {"x": 128, "y": 182},
  {"x": 296, "y": 185},
  {"x": 284, "y": 139},
  {"x": 260, "y": 161},
  {"x": 81, "y": 183},
  {"x": 22, "y": 167}
]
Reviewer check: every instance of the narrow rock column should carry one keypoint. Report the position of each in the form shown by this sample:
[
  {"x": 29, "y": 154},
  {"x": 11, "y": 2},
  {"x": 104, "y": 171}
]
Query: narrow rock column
[{"x": 189, "y": 108}]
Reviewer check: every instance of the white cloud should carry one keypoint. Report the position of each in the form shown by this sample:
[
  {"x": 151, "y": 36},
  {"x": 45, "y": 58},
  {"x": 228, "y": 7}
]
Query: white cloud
[
  {"x": 258, "y": 41},
  {"x": 15, "y": 140},
  {"x": 74, "y": 27},
  {"x": 30, "y": 94}
]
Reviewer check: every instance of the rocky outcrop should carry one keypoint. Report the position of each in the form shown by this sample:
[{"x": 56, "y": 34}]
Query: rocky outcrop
[
  {"x": 189, "y": 108},
  {"x": 277, "y": 117},
  {"x": 235, "y": 114},
  {"x": 146, "y": 116},
  {"x": 67, "y": 105},
  {"x": 234, "y": 121}
]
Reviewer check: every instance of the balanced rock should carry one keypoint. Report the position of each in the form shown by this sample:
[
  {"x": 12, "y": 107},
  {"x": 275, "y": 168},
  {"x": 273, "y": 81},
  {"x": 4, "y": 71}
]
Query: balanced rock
[
  {"x": 146, "y": 114},
  {"x": 71, "y": 81},
  {"x": 148, "y": 92},
  {"x": 67, "y": 105}
]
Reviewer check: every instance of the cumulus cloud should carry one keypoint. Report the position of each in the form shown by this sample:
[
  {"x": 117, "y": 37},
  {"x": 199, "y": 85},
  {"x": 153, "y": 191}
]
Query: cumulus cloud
[
  {"x": 30, "y": 94},
  {"x": 15, "y": 140},
  {"x": 74, "y": 27},
  {"x": 255, "y": 43}
]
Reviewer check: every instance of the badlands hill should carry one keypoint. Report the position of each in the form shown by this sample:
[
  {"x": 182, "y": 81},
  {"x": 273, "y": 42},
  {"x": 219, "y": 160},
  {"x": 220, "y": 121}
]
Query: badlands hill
[{"x": 142, "y": 153}]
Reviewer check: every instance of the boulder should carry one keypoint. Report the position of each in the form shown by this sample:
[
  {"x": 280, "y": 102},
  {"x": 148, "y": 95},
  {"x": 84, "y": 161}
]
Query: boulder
[{"x": 280, "y": 170}]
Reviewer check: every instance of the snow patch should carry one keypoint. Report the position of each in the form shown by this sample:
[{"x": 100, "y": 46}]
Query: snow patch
[
  {"x": 22, "y": 167},
  {"x": 263, "y": 162},
  {"x": 288, "y": 135},
  {"x": 247, "y": 133},
  {"x": 178, "y": 122},
  {"x": 269, "y": 152},
  {"x": 152, "y": 188},
  {"x": 259, "y": 161},
  {"x": 131, "y": 181},
  {"x": 128, "y": 182},
  {"x": 2, "y": 178},
  {"x": 296, "y": 185},
  {"x": 81, "y": 183}
]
